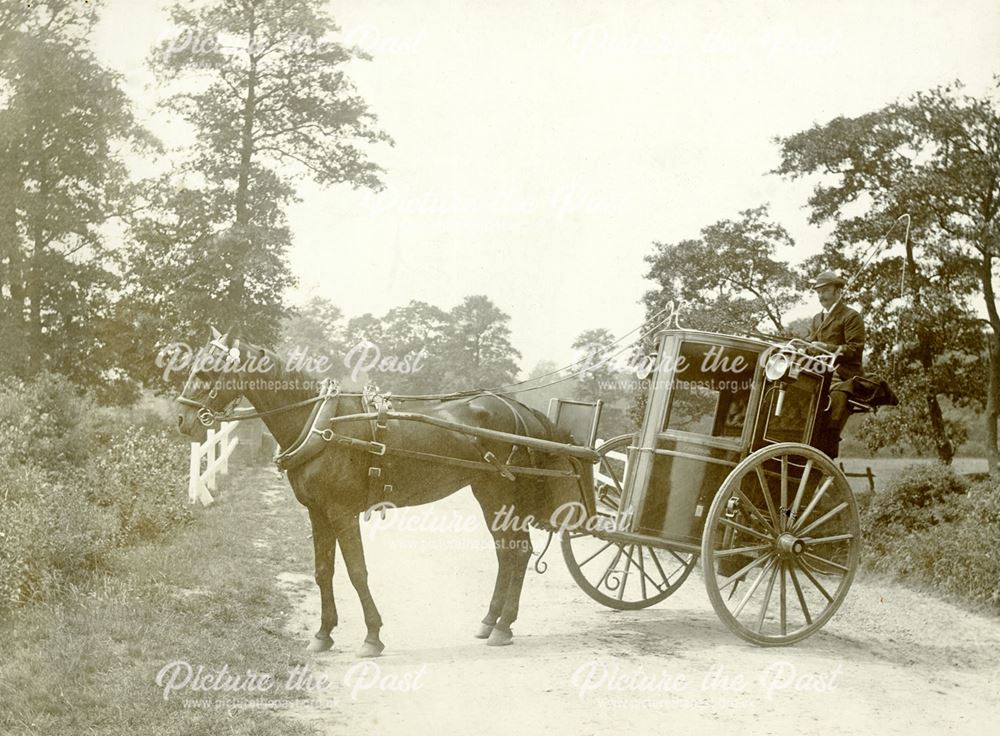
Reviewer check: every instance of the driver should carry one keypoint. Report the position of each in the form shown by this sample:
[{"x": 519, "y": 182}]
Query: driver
[{"x": 837, "y": 329}]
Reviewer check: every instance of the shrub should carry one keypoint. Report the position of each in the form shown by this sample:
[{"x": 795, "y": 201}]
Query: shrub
[
  {"x": 49, "y": 534},
  {"x": 930, "y": 528},
  {"x": 45, "y": 422},
  {"x": 913, "y": 500},
  {"x": 76, "y": 481},
  {"x": 143, "y": 477}
]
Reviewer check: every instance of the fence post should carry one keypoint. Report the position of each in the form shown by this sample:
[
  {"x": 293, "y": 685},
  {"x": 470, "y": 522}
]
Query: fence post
[
  {"x": 210, "y": 454},
  {"x": 194, "y": 472},
  {"x": 224, "y": 448}
]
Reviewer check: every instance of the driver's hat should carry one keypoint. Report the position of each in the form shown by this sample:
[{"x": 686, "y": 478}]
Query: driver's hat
[{"x": 828, "y": 277}]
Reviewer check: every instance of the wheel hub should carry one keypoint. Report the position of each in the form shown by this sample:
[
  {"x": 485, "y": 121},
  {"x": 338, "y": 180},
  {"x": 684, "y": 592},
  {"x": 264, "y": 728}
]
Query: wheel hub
[{"x": 790, "y": 546}]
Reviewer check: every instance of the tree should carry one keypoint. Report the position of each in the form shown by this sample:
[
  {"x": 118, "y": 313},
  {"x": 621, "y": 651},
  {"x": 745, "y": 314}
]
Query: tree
[
  {"x": 64, "y": 127},
  {"x": 935, "y": 157},
  {"x": 477, "y": 348},
  {"x": 598, "y": 379},
  {"x": 313, "y": 338},
  {"x": 728, "y": 279},
  {"x": 265, "y": 89}
]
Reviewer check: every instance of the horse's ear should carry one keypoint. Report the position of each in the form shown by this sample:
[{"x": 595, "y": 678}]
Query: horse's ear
[{"x": 215, "y": 333}]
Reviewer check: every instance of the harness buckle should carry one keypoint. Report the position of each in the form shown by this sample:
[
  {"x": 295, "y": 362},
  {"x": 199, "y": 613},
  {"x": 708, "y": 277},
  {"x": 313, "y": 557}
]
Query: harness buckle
[
  {"x": 327, "y": 435},
  {"x": 376, "y": 448},
  {"x": 374, "y": 472}
]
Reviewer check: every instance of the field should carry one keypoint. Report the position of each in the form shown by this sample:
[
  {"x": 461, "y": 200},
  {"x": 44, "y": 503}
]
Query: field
[{"x": 886, "y": 468}]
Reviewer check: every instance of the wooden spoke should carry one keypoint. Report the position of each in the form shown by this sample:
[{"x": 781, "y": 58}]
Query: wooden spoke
[
  {"x": 820, "y": 492},
  {"x": 595, "y": 554},
  {"x": 815, "y": 582},
  {"x": 748, "y": 530},
  {"x": 803, "y": 482},
  {"x": 753, "y": 589},
  {"x": 642, "y": 573},
  {"x": 735, "y": 577},
  {"x": 824, "y": 518},
  {"x": 767, "y": 597},
  {"x": 784, "y": 491},
  {"x": 826, "y": 540},
  {"x": 798, "y": 592},
  {"x": 628, "y": 562},
  {"x": 783, "y": 592},
  {"x": 755, "y": 513},
  {"x": 824, "y": 561},
  {"x": 743, "y": 550},
  {"x": 766, "y": 490}
]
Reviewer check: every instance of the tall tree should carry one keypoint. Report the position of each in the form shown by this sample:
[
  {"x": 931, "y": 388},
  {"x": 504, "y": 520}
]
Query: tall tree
[
  {"x": 598, "y": 378},
  {"x": 64, "y": 125},
  {"x": 728, "y": 279},
  {"x": 312, "y": 338},
  {"x": 477, "y": 349},
  {"x": 263, "y": 84},
  {"x": 935, "y": 156}
]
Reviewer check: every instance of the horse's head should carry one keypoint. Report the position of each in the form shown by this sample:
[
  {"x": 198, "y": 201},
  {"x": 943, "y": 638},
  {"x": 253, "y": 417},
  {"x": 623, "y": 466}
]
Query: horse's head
[{"x": 214, "y": 385}]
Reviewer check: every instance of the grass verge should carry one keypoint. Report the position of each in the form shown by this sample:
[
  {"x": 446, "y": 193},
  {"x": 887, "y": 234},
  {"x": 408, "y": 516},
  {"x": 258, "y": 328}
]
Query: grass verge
[{"x": 86, "y": 661}]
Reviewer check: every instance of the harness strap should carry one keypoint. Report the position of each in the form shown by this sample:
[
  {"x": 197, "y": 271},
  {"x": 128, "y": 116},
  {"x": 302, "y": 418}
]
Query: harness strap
[
  {"x": 298, "y": 452},
  {"x": 379, "y": 487}
]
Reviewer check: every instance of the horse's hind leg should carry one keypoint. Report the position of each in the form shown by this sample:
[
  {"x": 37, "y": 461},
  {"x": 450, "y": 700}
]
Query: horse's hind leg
[
  {"x": 325, "y": 549},
  {"x": 488, "y": 501},
  {"x": 518, "y": 550},
  {"x": 499, "y": 592},
  {"x": 349, "y": 538}
]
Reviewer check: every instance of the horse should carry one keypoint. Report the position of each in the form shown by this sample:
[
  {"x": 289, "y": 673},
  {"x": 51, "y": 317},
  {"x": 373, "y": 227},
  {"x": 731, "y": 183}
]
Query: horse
[{"x": 424, "y": 463}]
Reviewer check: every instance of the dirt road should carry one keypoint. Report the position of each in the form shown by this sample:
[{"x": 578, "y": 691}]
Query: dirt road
[{"x": 891, "y": 661}]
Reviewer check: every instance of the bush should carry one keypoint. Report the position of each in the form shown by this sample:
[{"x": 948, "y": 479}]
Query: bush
[
  {"x": 46, "y": 422},
  {"x": 76, "y": 481},
  {"x": 929, "y": 527},
  {"x": 49, "y": 535},
  {"x": 913, "y": 500},
  {"x": 143, "y": 477}
]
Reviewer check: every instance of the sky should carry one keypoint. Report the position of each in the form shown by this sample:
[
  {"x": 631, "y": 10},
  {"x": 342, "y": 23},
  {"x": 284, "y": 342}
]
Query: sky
[{"x": 541, "y": 148}]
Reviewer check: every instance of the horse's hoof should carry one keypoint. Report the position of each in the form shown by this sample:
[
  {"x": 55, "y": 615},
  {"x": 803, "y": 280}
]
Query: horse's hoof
[
  {"x": 484, "y": 631},
  {"x": 319, "y": 643},
  {"x": 371, "y": 649},
  {"x": 500, "y": 638}
]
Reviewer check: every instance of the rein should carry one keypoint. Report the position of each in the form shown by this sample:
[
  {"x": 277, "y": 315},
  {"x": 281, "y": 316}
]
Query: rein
[{"x": 208, "y": 417}]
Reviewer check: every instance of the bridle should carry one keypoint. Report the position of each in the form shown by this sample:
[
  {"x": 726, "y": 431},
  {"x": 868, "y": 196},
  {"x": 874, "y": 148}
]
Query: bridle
[{"x": 208, "y": 416}]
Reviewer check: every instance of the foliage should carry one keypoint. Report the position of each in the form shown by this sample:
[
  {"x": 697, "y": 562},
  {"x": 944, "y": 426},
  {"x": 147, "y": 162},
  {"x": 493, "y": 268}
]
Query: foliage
[
  {"x": 728, "y": 279},
  {"x": 77, "y": 481},
  {"x": 929, "y": 528},
  {"x": 933, "y": 156},
  {"x": 65, "y": 128},
  {"x": 263, "y": 84},
  {"x": 911, "y": 502},
  {"x": 477, "y": 352}
]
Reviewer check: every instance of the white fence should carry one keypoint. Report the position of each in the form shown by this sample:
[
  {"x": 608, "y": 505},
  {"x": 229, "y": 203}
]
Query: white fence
[{"x": 216, "y": 450}]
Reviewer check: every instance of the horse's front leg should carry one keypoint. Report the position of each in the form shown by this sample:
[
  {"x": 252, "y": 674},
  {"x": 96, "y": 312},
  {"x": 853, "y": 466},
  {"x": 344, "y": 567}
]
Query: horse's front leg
[
  {"x": 349, "y": 538},
  {"x": 325, "y": 549}
]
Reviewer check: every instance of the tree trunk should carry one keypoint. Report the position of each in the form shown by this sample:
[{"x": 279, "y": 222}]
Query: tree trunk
[
  {"x": 237, "y": 284},
  {"x": 942, "y": 442},
  {"x": 945, "y": 447},
  {"x": 993, "y": 407},
  {"x": 35, "y": 280}
]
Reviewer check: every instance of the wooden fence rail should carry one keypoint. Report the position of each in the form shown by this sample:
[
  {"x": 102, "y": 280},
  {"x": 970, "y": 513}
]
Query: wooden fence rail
[{"x": 216, "y": 451}]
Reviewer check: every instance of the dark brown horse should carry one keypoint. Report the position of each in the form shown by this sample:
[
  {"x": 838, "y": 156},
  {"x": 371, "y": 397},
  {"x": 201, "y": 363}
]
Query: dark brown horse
[{"x": 334, "y": 484}]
